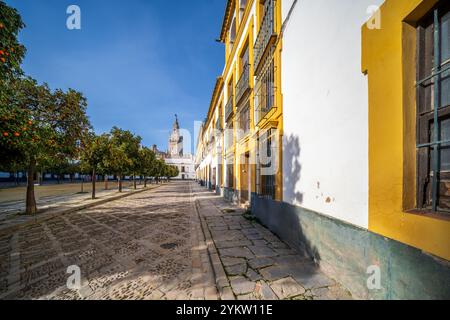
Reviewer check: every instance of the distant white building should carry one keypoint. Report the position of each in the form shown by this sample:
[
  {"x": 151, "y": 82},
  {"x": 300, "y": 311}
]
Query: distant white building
[{"x": 175, "y": 156}]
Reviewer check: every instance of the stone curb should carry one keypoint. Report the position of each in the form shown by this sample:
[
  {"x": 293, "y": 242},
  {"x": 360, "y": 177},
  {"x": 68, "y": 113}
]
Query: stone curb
[
  {"x": 16, "y": 227},
  {"x": 222, "y": 282}
]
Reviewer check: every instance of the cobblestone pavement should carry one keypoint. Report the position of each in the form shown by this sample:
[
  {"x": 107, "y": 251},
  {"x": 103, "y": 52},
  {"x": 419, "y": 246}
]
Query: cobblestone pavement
[
  {"x": 257, "y": 264},
  {"x": 147, "y": 246},
  {"x": 159, "y": 244}
]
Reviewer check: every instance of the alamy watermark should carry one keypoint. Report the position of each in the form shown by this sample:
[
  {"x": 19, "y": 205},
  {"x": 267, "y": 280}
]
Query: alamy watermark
[
  {"x": 374, "y": 279},
  {"x": 73, "y": 21},
  {"x": 374, "y": 22},
  {"x": 74, "y": 280}
]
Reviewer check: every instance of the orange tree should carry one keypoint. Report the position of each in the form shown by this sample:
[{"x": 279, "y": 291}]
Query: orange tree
[
  {"x": 173, "y": 172},
  {"x": 145, "y": 163},
  {"x": 95, "y": 149},
  {"x": 37, "y": 124},
  {"x": 123, "y": 156}
]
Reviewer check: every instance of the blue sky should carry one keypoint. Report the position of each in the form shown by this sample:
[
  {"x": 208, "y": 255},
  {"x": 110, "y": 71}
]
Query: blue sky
[{"x": 138, "y": 62}]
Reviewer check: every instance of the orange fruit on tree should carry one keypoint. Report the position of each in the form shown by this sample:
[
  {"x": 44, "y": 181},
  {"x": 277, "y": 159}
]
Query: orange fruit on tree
[
  {"x": 16, "y": 134},
  {"x": 1, "y": 52},
  {"x": 5, "y": 134},
  {"x": 3, "y": 59}
]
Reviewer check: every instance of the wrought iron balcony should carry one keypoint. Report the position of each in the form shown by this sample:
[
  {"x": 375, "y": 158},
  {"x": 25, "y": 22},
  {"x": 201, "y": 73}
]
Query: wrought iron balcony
[
  {"x": 243, "y": 84},
  {"x": 229, "y": 107},
  {"x": 266, "y": 32}
]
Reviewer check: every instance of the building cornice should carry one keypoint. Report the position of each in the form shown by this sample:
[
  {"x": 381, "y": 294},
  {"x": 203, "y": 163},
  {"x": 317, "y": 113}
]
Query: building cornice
[{"x": 226, "y": 20}]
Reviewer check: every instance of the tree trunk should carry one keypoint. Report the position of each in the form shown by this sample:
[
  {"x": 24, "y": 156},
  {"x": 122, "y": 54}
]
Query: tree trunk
[
  {"x": 82, "y": 184},
  {"x": 145, "y": 183},
  {"x": 31, "y": 207},
  {"x": 106, "y": 182},
  {"x": 120, "y": 183},
  {"x": 134, "y": 182},
  {"x": 93, "y": 183}
]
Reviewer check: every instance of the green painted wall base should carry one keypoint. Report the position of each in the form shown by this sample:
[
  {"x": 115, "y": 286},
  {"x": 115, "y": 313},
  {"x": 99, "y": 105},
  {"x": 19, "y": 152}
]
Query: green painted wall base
[{"x": 345, "y": 252}]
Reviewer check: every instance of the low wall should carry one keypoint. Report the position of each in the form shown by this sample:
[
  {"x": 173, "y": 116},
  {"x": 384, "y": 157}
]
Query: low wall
[{"x": 344, "y": 252}]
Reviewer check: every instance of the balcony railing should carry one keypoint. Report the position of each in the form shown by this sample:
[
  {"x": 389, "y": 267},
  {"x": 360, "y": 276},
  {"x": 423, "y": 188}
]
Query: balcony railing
[
  {"x": 265, "y": 91},
  {"x": 229, "y": 107},
  {"x": 243, "y": 84},
  {"x": 266, "y": 32}
]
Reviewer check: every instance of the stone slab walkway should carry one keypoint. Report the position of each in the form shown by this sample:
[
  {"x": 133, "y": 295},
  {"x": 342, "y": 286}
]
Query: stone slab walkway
[{"x": 256, "y": 263}]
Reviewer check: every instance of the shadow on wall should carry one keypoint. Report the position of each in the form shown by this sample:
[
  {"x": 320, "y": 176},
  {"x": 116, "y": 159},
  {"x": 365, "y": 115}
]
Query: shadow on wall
[
  {"x": 280, "y": 217},
  {"x": 291, "y": 170}
]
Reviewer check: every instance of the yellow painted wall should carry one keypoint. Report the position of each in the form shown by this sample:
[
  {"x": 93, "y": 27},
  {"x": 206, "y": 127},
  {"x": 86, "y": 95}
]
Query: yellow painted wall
[{"x": 389, "y": 60}]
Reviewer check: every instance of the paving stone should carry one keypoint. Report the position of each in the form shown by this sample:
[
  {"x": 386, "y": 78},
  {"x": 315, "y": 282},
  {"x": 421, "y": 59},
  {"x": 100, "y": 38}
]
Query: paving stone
[
  {"x": 259, "y": 242},
  {"x": 285, "y": 252},
  {"x": 264, "y": 292},
  {"x": 238, "y": 252},
  {"x": 262, "y": 251},
  {"x": 227, "y": 261},
  {"x": 331, "y": 293},
  {"x": 292, "y": 260},
  {"x": 227, "y": 294},
  {"x": 237, "y": 270},
  {"x": 259, "y": 263},
  {"x": 274, "y": 273},
  {"x": 253, "y": 275},
  {"x": 247, "y": 297},
  {"x": 232, "y": 244},
  {"x": 287, "y": 288},
  {"x": 309, "y": 276},
  {"x": 241, "y": 286}
]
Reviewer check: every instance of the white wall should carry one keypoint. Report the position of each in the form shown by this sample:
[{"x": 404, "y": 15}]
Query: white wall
[{"x": 325, "y": 108}]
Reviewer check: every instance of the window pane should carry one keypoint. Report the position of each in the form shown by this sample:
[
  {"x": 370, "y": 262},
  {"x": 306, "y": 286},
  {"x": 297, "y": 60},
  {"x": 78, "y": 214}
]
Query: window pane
[
  {"x": 445, "y": 34},
  {"x": 445, "y": 89},
  {"x": 445, "y": 150}
]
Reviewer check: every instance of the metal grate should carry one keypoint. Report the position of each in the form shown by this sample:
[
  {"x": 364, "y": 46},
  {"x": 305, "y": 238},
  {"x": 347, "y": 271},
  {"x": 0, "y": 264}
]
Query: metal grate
[
  {"x": 266, "y": 32},
  {"x": 229, "y": 107},
  {"x": 265, "y": 90},
  {"x": 243, "y": 85},
  {"x": 436, "y": 144}
]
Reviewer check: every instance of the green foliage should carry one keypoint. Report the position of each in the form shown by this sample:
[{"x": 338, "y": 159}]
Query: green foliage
[
  {"x": 123, "y": 155},
  {"x": 146, "y": 162},
  {"x": 94, "y": 152},
  {"x": 173, "y": 172},
  {"x": 11, "y": 51}
]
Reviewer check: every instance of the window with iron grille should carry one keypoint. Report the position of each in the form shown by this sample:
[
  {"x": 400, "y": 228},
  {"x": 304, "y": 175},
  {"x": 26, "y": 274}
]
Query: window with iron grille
[
  {"x": 229, "y": 135},
  {"x": 244, "y": 120},
  {"x": 267, "y": 181},
  {"x": 433, "y": 110},
  {"x": 265, "y": 90},
  {"x": 230, "y": 173},
  {"x": 243, "y": 85}
]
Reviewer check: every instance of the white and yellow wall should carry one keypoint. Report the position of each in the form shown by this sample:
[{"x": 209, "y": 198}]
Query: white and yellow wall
[{"x": 346, "y": 114}]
